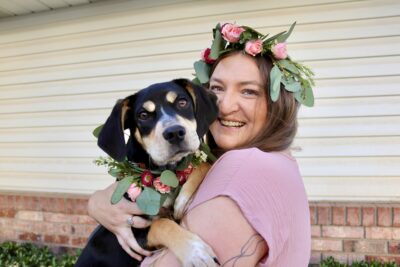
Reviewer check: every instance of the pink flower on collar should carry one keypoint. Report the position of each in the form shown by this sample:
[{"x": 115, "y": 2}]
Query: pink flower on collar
[
  {"x": 231, "y": 32},
  {"x": 160, "y": 187}
]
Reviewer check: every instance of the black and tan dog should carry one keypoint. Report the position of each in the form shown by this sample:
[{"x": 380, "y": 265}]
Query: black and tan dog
[{"x": 166, "y": 122}]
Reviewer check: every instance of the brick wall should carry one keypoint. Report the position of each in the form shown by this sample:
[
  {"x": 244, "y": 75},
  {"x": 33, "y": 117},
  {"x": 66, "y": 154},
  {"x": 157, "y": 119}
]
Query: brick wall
[
  {"x": 53, "y": 220},
  {"x": 355, "y": 231},
  {"x": 347, "y": 231}
]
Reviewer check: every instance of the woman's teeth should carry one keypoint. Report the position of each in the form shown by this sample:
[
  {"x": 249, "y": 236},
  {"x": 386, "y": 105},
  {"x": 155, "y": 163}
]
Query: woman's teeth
[{"x": 232, "y": 123}]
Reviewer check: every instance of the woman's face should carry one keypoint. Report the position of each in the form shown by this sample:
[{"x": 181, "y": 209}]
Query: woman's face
[{"x": 241, "y": 100}]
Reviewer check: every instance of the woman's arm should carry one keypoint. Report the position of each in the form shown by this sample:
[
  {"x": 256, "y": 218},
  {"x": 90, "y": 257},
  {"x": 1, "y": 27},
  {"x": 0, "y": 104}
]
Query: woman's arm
[
  {"x": 114, "y": 218},
  {"x": 221, "y": 224}
]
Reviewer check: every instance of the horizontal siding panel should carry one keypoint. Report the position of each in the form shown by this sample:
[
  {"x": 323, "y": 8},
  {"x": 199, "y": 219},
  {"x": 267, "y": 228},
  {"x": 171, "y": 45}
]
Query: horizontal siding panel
[
  {"x": 351, "y": 126},
  {"x": 350, "y": 166},
  {"x": 353, "y": 107},
  {"x": 54, "y": 182},
  {"x": 347, "y": 146},
  {"x": 274, "y": 13},
  {"x": 152, "y": 36},
  {"x": 341, "y": 68},
  {"x": 353, "y": 188}
]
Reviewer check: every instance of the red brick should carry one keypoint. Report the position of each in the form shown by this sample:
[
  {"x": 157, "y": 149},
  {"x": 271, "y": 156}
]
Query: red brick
[
  {"x": 395, "y": 259},
  {"x": 338, "y": 215},
  {"x": 394, "y": 247},
  {"x": 28, "y": 236},
  {"x": 56, "y": 239},
  {"x": 343, "y": 231},
  {"x": 340, "y": 257},
  {"x": 315, "y": 230},
  {"x": 382, "y": 233},
  {"x": 326, "y": 245},
  {"x": 313, "y": 215},
  {"x": 79, "y": 241},
  {"x": 324, "y": 215},
  {"x": 365, "y": 246},
  {"x": 57, "y": 217},
  {"x": 396, "y": 217},
  {"x": 7, "y": 233},
  {"x": 76, "y": 206},
  {"x": 8, "y": 212},
  {"x": 353, "y": 216},
  {"x": 3, "y": 201},
  {"x": 29, "y": 215},
  {"x": 384, "y": 216},
  {"x": 82, "y": 219},
  {"x": 368, "y": 216}
]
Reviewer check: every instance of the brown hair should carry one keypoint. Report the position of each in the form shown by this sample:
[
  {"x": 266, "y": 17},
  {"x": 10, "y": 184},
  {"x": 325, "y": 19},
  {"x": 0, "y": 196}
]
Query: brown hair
[{"x": 281, "y": 118}]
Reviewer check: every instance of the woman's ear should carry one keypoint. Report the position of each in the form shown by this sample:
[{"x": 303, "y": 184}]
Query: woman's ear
[
  {"x": 206, "y": 109},
  {"x": 111, "y": 138}
]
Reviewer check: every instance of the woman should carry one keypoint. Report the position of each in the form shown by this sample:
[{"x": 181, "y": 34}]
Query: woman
[{"x": 251, "y": 208}]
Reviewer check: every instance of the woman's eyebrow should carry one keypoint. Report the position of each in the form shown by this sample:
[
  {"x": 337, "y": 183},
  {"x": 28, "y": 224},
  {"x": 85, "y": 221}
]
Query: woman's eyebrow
[{"x": 251, "y": 83}]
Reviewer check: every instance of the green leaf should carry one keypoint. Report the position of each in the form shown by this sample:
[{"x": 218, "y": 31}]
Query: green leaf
[
  {"x": 114, "y": 172},
  {"x": 276, "y": 76},
  {"x": 184, "y": 163},
  {"x": 291, "y": 86},
  {"x": 218, "y": 44},
  {"x": 273, "y": 37},
  {"x": 169, "y": 178},
  {"x": 284, "y": 37},
  {"x": 206, "y": 149},
  {"x": 305, "y": 96},
  {"x": 149, "y": 201},
  {"x": 97, "y": 131},
  {"x": 289, "y": 66},
  {"x": 122, "y": 187},
  {"x": 202, "y": 70},
  {"x": 196, "y": 81}
]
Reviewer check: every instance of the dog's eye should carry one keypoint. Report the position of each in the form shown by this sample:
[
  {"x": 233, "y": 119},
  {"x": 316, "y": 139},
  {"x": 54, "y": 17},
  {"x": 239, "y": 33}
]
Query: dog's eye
[
  {"x": 182, "y": 103},
  {"x": 144, "y": 115}
]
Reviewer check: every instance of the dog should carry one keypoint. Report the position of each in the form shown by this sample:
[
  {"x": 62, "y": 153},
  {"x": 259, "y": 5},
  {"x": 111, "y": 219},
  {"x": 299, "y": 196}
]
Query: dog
[{"x": 166, "y": 122}]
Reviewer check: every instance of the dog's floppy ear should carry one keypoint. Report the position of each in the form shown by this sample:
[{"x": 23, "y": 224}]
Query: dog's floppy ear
[
  {"x": 206, "y": 109},
  {"x": 111, "y": 138}
]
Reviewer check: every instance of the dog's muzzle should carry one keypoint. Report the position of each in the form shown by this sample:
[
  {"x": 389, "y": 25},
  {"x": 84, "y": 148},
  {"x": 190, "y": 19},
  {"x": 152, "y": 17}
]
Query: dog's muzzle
[{"x": 174, "y": 134}]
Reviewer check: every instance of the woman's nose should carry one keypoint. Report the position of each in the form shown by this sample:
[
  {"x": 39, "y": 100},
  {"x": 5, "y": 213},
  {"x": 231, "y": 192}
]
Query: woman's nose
[{"x": 227, "y": 103}]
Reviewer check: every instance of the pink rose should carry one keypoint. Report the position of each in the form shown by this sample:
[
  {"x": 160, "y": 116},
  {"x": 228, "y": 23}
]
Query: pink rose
[
  {"x": 254, "y": 47},
  {"x": 160, "y": 187},
  {"x": 279, "y": 51},
  {"x": 205, "y": 56},
  {"x": 134, "y": 191},
  {"x": 231, "y": 32}
]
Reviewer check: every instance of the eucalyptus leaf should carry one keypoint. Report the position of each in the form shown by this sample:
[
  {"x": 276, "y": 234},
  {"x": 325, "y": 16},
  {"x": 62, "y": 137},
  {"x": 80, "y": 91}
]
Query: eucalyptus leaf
[
  {"x": 169, "y": 178},
  {"x": 273, "y": 37},
  {"x": 122, "y": 187},
  {"x": 305, "y": 97},
  {"x": 184, "y": 163},
  {"x": 202, "y": 71},
  {"x": 217, "y": 45},
  {"x": 284, "y": 37},
  {"x": 276, "y": 76},
  {"x": 114, "y": 172},
  {"x": 97, "y": 131},
  {"x": 149, "y": 201},
  {"x": 289, "y": 66},
  {"x": 196, "y": 81},
  {"x": 292, "y": 87}
]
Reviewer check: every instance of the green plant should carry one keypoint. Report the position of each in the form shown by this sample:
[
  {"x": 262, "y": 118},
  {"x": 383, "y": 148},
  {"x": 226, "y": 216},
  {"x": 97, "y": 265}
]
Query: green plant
[
  {"x": 28, "y": 255},
  {"x": 331, "y": 262}
]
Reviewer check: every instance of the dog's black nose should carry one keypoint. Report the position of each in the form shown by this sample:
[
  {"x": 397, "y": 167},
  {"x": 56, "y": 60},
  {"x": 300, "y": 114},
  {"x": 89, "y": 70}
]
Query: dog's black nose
[{"x": 174, "y": 134}]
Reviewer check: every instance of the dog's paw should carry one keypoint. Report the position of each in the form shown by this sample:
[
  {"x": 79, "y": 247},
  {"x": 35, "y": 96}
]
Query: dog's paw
[
  {"x": 180, "y": 205},
  {"x": 197, "y": 253}
]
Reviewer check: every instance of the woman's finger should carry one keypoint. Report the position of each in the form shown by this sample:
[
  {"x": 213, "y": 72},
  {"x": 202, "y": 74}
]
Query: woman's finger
[
  {"x": 138, "y": 222},
  {"x": 127, "y": 249},
  {"x": 133, "y": 244},
  {"x": 129, "y": 207}
]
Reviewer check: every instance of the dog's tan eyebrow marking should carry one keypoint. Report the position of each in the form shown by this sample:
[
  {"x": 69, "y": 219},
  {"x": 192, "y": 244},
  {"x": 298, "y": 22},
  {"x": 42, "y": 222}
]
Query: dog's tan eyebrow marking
[
  {"x": 171, "y": 96},
  {"x": 149, "y": 106}
]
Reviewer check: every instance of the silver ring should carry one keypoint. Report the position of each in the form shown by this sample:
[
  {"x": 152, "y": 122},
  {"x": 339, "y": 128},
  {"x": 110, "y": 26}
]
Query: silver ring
[{"x": 129, "y": 221}]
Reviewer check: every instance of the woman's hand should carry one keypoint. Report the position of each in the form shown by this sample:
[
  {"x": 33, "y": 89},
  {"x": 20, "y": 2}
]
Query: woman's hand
[{"x": 115, "y": 217}]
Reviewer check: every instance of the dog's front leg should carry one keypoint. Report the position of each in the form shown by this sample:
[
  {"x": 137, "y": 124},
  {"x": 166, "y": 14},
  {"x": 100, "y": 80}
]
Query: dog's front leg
[
  {"x": 189, "y": 248},
  {"x": 188, "y": 189}
]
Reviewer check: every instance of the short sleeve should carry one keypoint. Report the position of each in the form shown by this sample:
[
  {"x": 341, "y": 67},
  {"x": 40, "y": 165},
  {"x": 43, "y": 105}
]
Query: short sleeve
[{"x": 258, "y": 183}]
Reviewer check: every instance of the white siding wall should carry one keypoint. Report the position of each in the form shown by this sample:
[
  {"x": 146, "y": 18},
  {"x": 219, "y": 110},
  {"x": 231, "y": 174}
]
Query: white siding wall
[{"x": 61, "y": 72}]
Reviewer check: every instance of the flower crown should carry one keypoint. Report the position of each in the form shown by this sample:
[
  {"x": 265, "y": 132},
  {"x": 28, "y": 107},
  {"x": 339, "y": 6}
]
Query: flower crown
[{"x": 294, "y": 76}]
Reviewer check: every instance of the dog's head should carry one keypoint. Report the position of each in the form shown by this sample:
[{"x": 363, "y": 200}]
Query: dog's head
[{"x": 165, "y": 121}]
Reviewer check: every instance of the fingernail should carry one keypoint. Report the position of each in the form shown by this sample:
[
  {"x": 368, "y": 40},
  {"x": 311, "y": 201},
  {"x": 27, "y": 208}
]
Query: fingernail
[{"x": 216, "y": 261}]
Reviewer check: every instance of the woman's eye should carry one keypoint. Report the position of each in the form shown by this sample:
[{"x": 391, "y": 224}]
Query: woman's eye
[
  {"x": 216, "y": 88},
  {"x": 144, "y": 115},
  {"x": 182, "y": 103},
  {"x": 250, "y": 92}
]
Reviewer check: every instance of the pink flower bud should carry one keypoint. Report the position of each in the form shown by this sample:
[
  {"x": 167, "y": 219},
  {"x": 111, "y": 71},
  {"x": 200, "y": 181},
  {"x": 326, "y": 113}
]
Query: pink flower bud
[
  {"x": 146, "y": 178},
  {"x": 134, "y": 191},
  {"x": 231, "y": 32},
  {"x": 160, "y": 187},
  {"x": 279, "y": 51},
  {"x": 254, "y": 47},
  {"x": 205, "y": 56}
]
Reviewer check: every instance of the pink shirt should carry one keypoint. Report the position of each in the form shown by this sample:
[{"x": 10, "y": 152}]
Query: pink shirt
[{"x": 270, "y": 192}]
